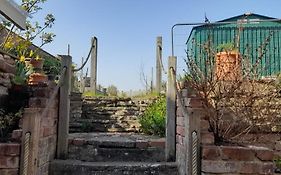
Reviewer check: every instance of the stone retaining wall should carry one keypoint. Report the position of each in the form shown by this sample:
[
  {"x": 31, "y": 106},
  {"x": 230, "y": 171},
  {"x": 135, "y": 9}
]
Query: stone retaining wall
[
  {"x": 106, "y": 114},
  {"x": 7, "y": 71}
]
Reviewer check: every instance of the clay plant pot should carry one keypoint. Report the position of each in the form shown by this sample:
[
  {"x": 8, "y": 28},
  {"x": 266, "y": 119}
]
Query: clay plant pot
[
  {"x": 37, "y": 79},
  {"x": 228, "y": 66},
  {"x": 37, "y": 64}
]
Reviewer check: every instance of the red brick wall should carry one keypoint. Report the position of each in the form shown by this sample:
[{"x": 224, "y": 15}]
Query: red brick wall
[
  {"x": 236, "y": 160},
  {"x": 223, "y": 159},
  {"x": 9, "y": 158},
  {"x": 48, "y": 128}
]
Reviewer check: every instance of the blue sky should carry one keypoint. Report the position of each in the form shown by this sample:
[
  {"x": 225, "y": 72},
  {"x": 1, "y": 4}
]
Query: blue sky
[{"x": 127, "y": 31}]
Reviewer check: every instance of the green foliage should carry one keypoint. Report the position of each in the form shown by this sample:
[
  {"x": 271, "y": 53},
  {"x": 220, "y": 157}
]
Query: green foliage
[
  {"x": 19, "y": 42},
  {"x": 91, "y": 94},
  {"x": 51, "y": 66},
  {"x": 277, "y": 162},
  {"x": 22, "y": 73},
  {"x": 226, "y": 47},
  {"x": 153, "y": 121},
  {"x": 87, "y": 127},
  {"x": 112, "y": 90},
  {"x": 8, "y": 122}
]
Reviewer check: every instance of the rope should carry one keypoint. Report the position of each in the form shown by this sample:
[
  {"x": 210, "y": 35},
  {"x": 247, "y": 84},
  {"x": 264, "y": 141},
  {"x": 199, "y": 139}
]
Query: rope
[
  {"x": 26, "y": 152},
  {"x": 194, "y": 153},
  {"x": 82, "y": 66}
]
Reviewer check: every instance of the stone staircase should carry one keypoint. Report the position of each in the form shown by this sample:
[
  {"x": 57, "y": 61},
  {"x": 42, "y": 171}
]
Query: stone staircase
[
  {"x": 104, "y": 141},
  {"x": 114, "y": 154},
  {"x": 105, "y": 114}
]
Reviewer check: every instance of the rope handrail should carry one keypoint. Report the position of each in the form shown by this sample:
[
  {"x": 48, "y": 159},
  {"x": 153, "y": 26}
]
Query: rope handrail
[
  {"x": 85, "y": 62},
  {"x": 26, "y": 152},
  {"x": 55, "y": 92}
]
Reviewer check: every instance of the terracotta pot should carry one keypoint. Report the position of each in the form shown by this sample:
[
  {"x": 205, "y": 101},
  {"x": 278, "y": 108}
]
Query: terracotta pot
[
  {"x": 37, "y": 79},
  {"x": 37, "y": 64},
  {"x": 228, "y": 66}
]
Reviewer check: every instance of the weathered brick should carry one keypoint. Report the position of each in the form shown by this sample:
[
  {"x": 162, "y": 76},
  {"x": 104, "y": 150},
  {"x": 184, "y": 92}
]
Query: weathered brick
[
  {"x": 78, "y": 141},
  {"x": 193, "y": 102},
  {"x": 48, "y": 131},
  {"x": 207, "y": 138},
  {"x": 180, "y": 130},
  {"x": 179, "y": 139},
  {"x": 142, "y": 144},
  {"x": 9, "y": 149},
  {"x": 179, "y": 112},
  {"x": 249, "y": 167},
  {"x": 6, "y": 67},
  {"x": 204, "y": 125},
  {"x": 180, "y": 121},
  {"x": 210, "y": 166},
  {"x": 265, "y": 155},
  {"x": 9, "y": 162},
  {"x": 9, "y": 60},
  {"x": 159, "y": 143},
  {"x": 9, "y": 171},
  {"x": 266, "y": 168},
  {"x": 237, "y": 153},
  {"x": 210, "y": 152}
]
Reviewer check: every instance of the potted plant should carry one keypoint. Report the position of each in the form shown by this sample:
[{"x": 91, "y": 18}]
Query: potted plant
[
  {"x": 52, "y": 68},
  {"x": 37, "y": 77},
  {"x": 228, "y": 62}
]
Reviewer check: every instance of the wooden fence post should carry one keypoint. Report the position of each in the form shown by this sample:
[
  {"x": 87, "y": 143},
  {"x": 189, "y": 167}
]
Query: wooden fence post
[
  {"x": 64, "y": 108},
  {"x": 170, "y": 151},
  {"x": 30, "y": 141},
  {"x": 158, "y": 64}
]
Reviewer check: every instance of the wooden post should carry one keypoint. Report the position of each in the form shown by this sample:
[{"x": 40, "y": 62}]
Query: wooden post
[
  {"x": 82, "y": 82},
  {"x": 94, "y": 65},
  {"x": 171, "y": 113},
  {"x": 31, "y": 124},
  {"x": 64, "y": 108},
  {"x": 158, "y": 64}
]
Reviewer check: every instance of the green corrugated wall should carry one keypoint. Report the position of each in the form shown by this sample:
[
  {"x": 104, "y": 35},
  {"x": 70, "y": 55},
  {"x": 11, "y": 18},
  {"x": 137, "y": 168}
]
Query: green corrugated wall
[{"x": 253, "y": 39}]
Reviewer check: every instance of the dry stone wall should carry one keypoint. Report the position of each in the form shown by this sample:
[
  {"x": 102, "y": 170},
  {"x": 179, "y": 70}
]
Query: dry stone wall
[
  {"x": 106, "y": 114},
  {"x": 7, "y": 71}
]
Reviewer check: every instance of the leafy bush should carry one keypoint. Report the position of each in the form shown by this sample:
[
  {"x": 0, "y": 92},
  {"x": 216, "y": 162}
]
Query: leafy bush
[
  {"x": 153, "y": 121},
  {"x": 8, "y": 122}
]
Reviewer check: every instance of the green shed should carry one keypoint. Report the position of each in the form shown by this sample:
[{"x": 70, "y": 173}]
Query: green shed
[{"x": 257, "y": 40}]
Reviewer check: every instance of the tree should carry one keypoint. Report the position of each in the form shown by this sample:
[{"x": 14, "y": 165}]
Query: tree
[
  {"x": 112, "y": 90},
  {"x": 234, "y": 105},
  {"x": 19, "y": 42}
]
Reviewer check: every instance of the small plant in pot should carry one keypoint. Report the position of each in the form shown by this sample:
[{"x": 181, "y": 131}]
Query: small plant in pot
[
  {"x": 38, "y": 76},
  {"x": 228, "y": 62},
  {"x": 19, "y": 91},
  {"x": 52, "y": 68}
]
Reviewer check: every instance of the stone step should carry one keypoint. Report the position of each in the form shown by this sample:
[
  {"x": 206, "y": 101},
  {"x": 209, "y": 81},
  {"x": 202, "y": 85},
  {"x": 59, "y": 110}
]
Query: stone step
[
  {"x": 116, "y": 147},
  {"x": 74, "y": 167},
  {"x": 91, "y": 154}
]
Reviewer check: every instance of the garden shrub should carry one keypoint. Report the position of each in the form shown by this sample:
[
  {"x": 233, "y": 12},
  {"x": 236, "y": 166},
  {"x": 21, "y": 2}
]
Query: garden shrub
[
  {"x": 9, "y": 122},
  {"x": 153, "y": 121}
]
